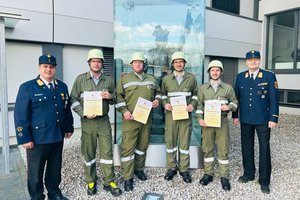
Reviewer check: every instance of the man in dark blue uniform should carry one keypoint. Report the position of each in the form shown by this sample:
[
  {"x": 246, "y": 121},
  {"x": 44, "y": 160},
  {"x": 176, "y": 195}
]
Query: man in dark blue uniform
[
  {"x": 257, "y": 93},
  {"x": 42, "y": 119}
]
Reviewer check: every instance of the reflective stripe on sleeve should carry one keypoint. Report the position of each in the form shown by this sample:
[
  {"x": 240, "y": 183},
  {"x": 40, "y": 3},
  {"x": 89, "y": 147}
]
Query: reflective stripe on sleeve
[
  {"x": 195, "y": 97},
  {"x": 125, "y": 159},
  {"x": 75, "y": 104},
  {"x": 233, "y": 104},
  {"x": 199, "y": 112},
  {"x": 164, "y": 97},
  {"x": 121, "y": 104},
  {"x": 158, "y": 96}
]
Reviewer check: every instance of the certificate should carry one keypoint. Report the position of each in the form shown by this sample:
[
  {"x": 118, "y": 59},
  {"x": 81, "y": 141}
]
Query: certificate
[
  {"x": 179, "y": 108},
  {"x": 142, "y": 110},
  {"x": 212, "y": 113},
  {"x": 92, "y": 103}
]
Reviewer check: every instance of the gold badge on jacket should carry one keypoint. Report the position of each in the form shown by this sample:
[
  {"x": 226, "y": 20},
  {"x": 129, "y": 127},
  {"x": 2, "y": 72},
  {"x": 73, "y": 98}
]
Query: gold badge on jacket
[{"x": 19, "y": 128}]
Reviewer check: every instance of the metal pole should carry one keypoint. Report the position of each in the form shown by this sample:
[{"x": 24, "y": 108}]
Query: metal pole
[{"x": 4, "y": 103}]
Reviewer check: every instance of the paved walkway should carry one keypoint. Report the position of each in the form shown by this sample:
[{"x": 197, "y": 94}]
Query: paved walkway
[{"x": 13, "y": 185}]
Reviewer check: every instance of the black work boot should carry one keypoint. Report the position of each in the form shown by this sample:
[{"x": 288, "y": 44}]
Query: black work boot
[
  {"x": 206, "y": 179},
  {"x": 113, "y": 189},
  {"x": 141, "y": 175},
  {"x": 225, "y": 184},
  {"x": 128, "y": 185},
  {"x": 186, "y": 177},
  {"x": 170, "y": 174},
  {"x": 92, "y": 188}
]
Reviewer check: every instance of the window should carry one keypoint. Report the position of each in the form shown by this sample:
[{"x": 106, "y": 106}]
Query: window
[
  {"x": 289, "y": 98},
  {"x": 232, "y": 6},
  {"x": 283, "y": 54}
]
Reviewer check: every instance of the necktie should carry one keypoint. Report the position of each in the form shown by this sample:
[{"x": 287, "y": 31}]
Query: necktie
[
  {"x": 252, "y": 77},
  {"x": 51, "y": 87}
]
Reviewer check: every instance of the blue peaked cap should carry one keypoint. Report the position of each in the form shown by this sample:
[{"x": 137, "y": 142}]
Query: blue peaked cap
[
  {"x": 47, "y": 59},
  {"x": 252, "y": 54}
]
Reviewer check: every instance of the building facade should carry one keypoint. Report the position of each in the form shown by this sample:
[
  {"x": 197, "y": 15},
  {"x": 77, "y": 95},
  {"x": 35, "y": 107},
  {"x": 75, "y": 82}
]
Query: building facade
[{"x": 68, "y": 29}]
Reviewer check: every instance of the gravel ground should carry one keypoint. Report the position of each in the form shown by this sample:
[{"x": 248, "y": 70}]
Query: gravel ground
[{"x": 285, "y": 181}]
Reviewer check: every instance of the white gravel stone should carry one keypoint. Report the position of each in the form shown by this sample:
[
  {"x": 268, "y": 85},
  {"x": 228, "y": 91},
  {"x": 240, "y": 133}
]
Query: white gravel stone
[{"x": 285, "y": 180}]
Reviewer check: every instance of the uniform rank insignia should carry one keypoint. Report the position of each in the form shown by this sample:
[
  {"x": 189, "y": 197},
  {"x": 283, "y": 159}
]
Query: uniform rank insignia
[
  {"x": 19, "y": 128},
  {"x": 62, "y": 96},
  {"x": 259, "y": 92},
  {"x": 276, "y": 84},
  {"x": 260, "y": 75},
  {"x": 246, "y": 75},
  {"x": 49, "y": 57},
  {"x": 261, "y": 84},
  {"x": 40, "y": 82}
]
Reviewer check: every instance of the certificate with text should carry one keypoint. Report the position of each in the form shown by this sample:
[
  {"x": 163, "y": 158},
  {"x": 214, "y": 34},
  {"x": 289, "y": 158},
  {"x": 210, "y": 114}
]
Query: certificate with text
[
  {"x": 179, "y": 108},
  {"x": 92, "y": 103},
  {"x": 212, "y": 113},
  {"x": 142, "y": 110}
]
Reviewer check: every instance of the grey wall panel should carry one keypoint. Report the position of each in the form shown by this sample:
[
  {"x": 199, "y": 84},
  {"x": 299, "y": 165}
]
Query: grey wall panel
[
  {"x": 22, "y": 65},
  {"x": 100, "y": 10},
  {"x": 74, "y": 61},
  {"x": 39, "y": 28},
  {"x": 79, "y": 31},
  {"x": 228, "y": 48},
  {"x": 44, "y": 6},
  {"x": 226, "y": 35}
]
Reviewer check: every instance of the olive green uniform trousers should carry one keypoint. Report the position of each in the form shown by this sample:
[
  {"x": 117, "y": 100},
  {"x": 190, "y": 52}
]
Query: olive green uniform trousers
[
  {"x": 97, "y": 131},
  {"x": 220, "y": 137}
]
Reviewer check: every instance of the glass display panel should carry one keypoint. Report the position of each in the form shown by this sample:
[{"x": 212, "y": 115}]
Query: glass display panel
[{"x": 158, "y": 28}]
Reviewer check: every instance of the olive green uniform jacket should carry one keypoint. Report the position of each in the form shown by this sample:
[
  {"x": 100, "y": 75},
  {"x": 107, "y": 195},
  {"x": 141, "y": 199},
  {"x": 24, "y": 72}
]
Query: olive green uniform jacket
[
  {"x": 178, "y": 133},
  {"x": 211, "y": 135},
  {"x": 135, "y": 135},
  {"x": 95, "y": 131}
]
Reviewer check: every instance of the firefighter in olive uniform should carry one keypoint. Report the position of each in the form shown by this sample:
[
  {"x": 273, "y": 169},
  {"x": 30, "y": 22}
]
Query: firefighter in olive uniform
[
  {"x": 257, "y": 91},
  {"x": 135, "y": 135},
  {"x": 178, "y": 132},
  {"x": 96, "y": 130},
  {"x": 223, "y": 95},
  {"x": 43, "y": 119}
]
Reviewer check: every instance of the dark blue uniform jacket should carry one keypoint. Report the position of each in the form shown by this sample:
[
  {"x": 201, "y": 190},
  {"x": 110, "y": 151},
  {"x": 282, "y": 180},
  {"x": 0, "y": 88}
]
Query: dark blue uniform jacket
[
  {"x": 41, "y": 115},
  {"x": 258, "y": 99}
]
